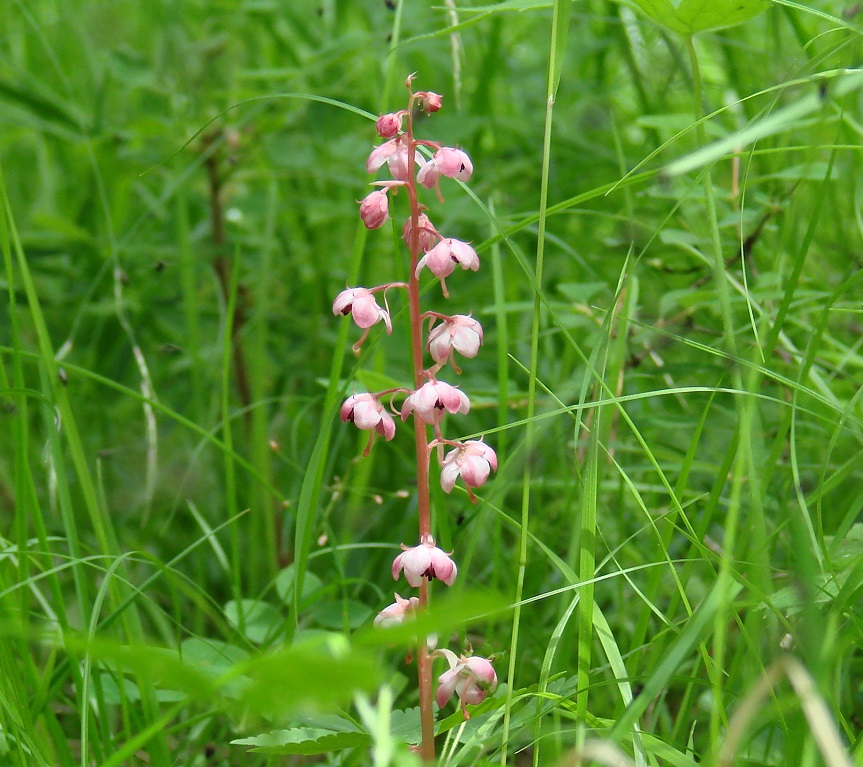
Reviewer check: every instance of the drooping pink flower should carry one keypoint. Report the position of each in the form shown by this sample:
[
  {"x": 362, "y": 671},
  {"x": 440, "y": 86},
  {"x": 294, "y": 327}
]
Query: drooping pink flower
[
  {"x": 367, "y": 412},
  {"x": 473, "y": 461},
  {"x": 429, "y": 101},
  {"x": 375, "y": 209},
  {"x": 425, "y": 561},
  {"x": 433, "y": 398},
  {"x": 447, "y": 161},
  {"x": 395, "y": 154},
  {"x": 381, "y": 153},
  {"x": 427, "y": 236},
  {"x": 361, "y": 303},
  {"x": 472, "y": 679},
  {"x": 389, "y": 125},
  {"x": 459, "y": 333},
  {"x": 395, "y": 614},
  {"x": 453, "y": 163},
  {"x": 443, "y": 257},
  {"x": 397, "y": 162}
]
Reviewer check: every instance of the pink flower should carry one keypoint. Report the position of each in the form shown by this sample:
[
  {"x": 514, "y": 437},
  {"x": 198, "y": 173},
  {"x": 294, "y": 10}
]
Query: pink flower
[
  {"x": 443, "y": 257},
  {"x": 449, "y": 162},
  {"x": 366, "y": 412},
  {"x": 427, "y": 236},
  {"x": 398, "y": 162},
  {"x": 361, "y": 303},
  {"x": 453, "y": 163},
  {"x": 470, "y": 678},
  {"x": 457, "y": 333},
  {"x": 425, "y": 561},
  {"x": 473, "y": 461},
  {"x": 374, "y": 209},
  {"x": 433, "y": 398},
  {"x": 395, "y": 614},
  {"x": 389, "y": 125},
  {"x": 381, "y": 153},
  {"x": 428, "y": 101},
  {"x": 395, "y": 154}
]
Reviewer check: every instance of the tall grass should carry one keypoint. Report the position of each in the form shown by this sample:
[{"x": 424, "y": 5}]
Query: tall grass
[{"x": 671, "y": 234}]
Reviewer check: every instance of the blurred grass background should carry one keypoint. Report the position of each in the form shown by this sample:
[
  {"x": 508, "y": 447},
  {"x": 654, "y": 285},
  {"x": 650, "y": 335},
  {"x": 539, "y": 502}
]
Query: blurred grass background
[{"x": 176, "y": 175}]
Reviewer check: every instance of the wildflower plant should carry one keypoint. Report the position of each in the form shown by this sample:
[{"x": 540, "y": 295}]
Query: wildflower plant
[{"x": 413, "y": 164}]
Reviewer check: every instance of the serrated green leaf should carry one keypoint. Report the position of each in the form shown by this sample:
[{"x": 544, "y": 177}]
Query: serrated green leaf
[
  {"x": 687, "y": 17},
  {"x": 305, "y": 740}
]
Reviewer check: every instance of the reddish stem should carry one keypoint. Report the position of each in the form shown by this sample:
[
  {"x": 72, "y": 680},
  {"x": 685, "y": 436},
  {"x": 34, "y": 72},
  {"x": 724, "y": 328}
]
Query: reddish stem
[{"x": 424, "y": 667}]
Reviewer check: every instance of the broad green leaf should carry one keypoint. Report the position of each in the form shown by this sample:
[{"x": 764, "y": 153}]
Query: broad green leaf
[
  {"x": 212, "y": 656},
  {"x": 261, "y": 622},
  {"x": 160, "y": 665},
  {"x": 307, "y": 678},
  {"x": 285, "y": 584},
  {"x": 686, "y": 17},
  {"x": 116, "y": 690},
  {"x": 335, "y": 615}
]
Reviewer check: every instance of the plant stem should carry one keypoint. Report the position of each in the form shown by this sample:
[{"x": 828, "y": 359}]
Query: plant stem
[{"x": 424, "y": 669}]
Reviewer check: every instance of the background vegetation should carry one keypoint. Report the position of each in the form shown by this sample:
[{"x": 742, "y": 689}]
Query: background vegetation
[{"x": 191, "y": 551}]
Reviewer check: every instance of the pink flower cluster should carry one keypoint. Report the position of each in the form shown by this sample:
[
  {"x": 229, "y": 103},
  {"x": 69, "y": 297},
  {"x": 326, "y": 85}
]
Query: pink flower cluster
[{"x": 412, "y": 164}]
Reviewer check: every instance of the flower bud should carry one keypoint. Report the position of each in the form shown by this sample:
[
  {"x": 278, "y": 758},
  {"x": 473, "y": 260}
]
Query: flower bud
[
  {"x": 374, "y": 209},
  {"x": 389, "y": 125}
]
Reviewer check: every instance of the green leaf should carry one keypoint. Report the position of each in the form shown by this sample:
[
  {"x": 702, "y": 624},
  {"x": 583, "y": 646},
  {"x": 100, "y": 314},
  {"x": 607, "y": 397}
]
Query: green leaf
[
  {"x": 328, "y": 733},
  {"x": 334, "y": 615},
  {"x": 687, "y": 17},
  {"x": 308, "y": 678},
  {"x": 211, "y": 656},
  {"x": 305, "y": 740},
  {"x": 261, "y": 621},
  {"x": 452, "y": 611},
  {"x": 117, "y": 690},
  {"x": 285, "y": 584}
]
